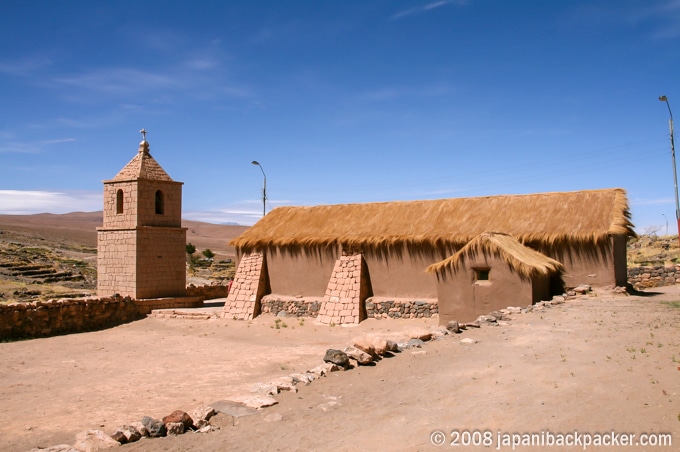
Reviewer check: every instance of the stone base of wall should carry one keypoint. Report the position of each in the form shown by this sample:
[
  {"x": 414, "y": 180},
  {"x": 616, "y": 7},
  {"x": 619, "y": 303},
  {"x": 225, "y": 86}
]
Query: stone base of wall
[
  {"x": 653, "y": 276},
  {"x": 381, "y": 308},
  {"x": 147, "y": 305},
  {"x": 293, "y": 307},
  {"x": 207, "y": 292}
]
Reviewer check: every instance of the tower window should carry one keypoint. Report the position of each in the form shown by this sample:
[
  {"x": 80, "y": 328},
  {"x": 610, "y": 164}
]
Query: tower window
[
  {"x": 160, "y": 208},
  {"x": 119, "y": 201}
]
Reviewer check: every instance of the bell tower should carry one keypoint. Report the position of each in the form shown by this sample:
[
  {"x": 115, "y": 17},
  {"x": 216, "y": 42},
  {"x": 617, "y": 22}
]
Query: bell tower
[{"x": 141, "y": 246}]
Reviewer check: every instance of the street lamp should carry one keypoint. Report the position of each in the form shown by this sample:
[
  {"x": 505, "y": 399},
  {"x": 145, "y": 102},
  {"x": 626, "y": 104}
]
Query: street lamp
[
  {"x": 264, "y": 189},
  {"x": 675, "y": 171}
]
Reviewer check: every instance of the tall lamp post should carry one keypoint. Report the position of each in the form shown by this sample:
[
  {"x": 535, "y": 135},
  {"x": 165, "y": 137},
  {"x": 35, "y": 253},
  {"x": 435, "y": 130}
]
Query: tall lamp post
[
  {"x": 264, "y": 189},
  {"x": 675, "y": 171},
  {"x": 664, "y": 215}
]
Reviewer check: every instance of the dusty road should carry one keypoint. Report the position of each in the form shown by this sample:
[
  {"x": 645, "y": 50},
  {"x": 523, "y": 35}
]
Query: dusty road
[{"x": 597, "y": 364}]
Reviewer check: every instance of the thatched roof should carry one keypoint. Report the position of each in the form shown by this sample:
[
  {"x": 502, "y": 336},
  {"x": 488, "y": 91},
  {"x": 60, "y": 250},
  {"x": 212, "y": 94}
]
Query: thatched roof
[
  {"x": 552, "y": 218},
  {"x": 521, "y": 259}
]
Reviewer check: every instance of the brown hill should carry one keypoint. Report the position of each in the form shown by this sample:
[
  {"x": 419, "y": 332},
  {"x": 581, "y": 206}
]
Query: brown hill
[{"x": 79, "y": 229}]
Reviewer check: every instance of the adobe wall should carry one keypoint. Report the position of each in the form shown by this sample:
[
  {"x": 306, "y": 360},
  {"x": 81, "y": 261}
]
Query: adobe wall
[
  {"x": 402, "y": 275},
  {"x": 304, "y": 274},
  {"x": 463, "y": 299},
  {"x": 595, "y": 265}
]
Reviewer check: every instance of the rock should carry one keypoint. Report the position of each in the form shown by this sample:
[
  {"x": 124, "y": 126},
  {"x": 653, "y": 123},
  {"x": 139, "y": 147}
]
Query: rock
[
  {"x": 392, "y": 346},
  {"x": 119, "y": 437},
  {"x": 256, "y": 400},
  {"x": 179, "y": 416},
  {"x": 514, "y": 309},
  {"x": 323, "y": 369},
  {"x": 273, "y": 417},
  {"x": 582, "y": 289},
  {"x": 155, "y": 427},
  {"x": 415, "y": 343},
  {"x": 233, "y": 409},
  {"x": 304, "y": 378},
  {"x": 140, "y": 428},
  {"x": 130, "y": 433},
  {"x": 453, "y": 327},
  {"x": 473, "y": 325},
  {"x": 202, "y": 414},
  {"x": 264, "y": 389},
  {"x": 419, "y": 352},
  {"x": 468, "y": 341},
  {"x": 282, "y": 314},
  {"x": 175, "y": 428},
  {"x": 420, "y": 333},
  {"x": 337, "y": 357},
  {"x": 359, "y": 356},
  {"x": 92, "y": 440}
]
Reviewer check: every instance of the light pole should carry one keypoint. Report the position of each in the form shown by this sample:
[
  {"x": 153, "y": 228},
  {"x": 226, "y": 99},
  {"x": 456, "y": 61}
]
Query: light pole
[
  {"x": 264, "y": 188},
  {"x": 675, "y": 171}
]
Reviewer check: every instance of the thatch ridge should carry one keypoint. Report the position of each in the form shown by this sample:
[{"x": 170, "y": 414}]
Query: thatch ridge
[
  {"x": 522, "y": 260},
  {"x": 552, "y": 218}
]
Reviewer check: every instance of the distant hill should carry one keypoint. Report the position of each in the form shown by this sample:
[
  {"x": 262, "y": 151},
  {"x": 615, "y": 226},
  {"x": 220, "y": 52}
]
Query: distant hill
[{"x": 80, "y": 228}]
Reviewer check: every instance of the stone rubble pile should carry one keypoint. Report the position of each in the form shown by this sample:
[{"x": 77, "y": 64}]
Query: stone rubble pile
[{"x": 362, "y": 351}]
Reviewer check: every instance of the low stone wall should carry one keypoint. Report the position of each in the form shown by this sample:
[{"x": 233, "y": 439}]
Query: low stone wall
[
  {"x": 401, "y": 309},
  {"x": 145, "y": 306},
  {"x": 294, "y": 307},
  {"x": 653, "y": 276},
  {"x": 207, "y": 292},
  {"x": 54, "y": 317}
]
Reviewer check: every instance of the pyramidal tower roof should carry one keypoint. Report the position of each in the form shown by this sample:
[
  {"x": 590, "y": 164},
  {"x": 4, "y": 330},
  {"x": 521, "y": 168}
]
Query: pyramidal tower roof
[{"x": 142, "y": 166}]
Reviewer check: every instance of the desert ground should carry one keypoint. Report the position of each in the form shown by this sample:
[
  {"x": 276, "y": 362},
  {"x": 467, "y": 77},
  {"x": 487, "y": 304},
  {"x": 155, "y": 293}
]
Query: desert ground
[{"x": 599, "y": 363}]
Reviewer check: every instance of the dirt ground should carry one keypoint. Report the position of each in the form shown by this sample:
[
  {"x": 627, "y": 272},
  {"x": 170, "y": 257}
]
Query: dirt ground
[{"x": 596, "y": 364}]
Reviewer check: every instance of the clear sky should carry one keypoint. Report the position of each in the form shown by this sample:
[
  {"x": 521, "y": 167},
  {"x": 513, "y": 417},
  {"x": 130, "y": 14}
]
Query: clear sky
[{"x": 340, "y": 101}]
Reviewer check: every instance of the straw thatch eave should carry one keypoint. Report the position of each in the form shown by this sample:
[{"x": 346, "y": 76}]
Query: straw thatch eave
[
  {"x": 554, "y": 219},
  {"x": 524, "y": 261}
]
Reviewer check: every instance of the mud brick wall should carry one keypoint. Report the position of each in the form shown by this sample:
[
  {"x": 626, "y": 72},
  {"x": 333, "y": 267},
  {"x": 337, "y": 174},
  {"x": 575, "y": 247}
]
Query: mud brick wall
[
  {"x": 54, "y": 317},
  {"x": 653, "y": 276},
  {"x": 300, "y": 307},
  {"x": 401, "y": 309}
]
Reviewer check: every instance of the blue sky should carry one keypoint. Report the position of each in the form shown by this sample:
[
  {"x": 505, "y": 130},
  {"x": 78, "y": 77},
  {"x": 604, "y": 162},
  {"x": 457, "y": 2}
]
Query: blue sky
[{"x": 340, "y": 101}]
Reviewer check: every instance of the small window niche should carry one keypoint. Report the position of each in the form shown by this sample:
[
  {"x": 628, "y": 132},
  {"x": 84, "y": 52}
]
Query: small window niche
[
  {"x": 119, "y": 201},
  {"x": 482, "y": 275},
  {"x": 160, "y": 208}
]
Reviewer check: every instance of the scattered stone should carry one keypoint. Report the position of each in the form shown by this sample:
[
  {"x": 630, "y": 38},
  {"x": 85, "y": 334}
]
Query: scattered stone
[
  {"x": 140, "y": 428},
  {"x": 415, "y": 343},
  {"x": 366, "y": 346},
  {"x": 514, "y": 309},
  {"x": 286, "y": 383},
  {"x": 392, "y": 346},
  {"x": 359, "y": 356},
  {"x": 468, "y": 341},
  {"x": 273, "y": 417},
  {"x": 175, "y": 428},
  {"x": 304, "y": 378},
  {"x": 231, "y": 408},
  {"x": 453, "y": 327},
  {"x": 202, "y": 415},
  {"x": 582, "y": 289},
  {"x": 92, "y": 440},
  {"x": 155, "y": 427},
  {"x": 264, "y": 389},
  {"x": 256, "y": 400},
  {"x": 282, "y": 314},
  {"x": 337, "y": 357},
  {"x": 130, "y": 433},
  {"x": 419, "y": 352},
  {"x": 179, "y": 416},
  {"x": 486, "y": 319},
  {"x": 323, "y": 369},
  {"x": 420, "y": 333}
]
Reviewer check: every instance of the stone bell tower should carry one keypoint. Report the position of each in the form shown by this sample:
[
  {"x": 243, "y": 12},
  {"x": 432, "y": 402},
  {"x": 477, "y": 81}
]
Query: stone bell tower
[{"x": 141, "y": 246}]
